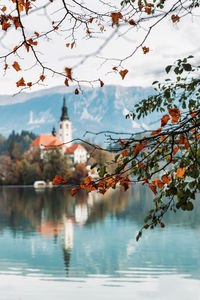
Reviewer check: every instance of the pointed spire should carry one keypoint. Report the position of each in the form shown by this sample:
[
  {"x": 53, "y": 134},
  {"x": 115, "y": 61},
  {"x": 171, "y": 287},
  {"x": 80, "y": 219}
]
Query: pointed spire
[
  {"x": 53, "y": 131},
  {"x": 64, "y": 115}
]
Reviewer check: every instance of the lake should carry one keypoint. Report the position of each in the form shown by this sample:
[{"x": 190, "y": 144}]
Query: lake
[{"x": 55, "y": 246}]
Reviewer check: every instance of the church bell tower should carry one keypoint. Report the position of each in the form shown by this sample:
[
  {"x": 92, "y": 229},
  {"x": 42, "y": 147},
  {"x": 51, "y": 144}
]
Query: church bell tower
[{"x": 65, "y": 126}]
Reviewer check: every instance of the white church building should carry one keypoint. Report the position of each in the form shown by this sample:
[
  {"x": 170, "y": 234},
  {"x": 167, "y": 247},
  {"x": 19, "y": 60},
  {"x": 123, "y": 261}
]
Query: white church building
[{"x": 62, "y": 140}]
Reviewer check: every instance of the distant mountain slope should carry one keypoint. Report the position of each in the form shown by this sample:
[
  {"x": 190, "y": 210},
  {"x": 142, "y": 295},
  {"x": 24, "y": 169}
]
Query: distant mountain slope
[{"x": 95, "y": 110}]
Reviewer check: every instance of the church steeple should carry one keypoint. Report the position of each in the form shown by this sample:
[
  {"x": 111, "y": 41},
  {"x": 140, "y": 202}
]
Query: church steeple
[
  {"x": 65, "y": 126},
  {"x": 64, "y": 115}
]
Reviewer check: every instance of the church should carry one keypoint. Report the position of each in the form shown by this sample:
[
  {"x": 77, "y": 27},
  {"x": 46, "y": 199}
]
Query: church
[{"x": 61, "y": 141}]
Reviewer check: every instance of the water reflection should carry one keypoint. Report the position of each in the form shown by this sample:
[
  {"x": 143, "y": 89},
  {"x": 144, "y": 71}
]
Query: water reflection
[{"x": 54, "y": 235}]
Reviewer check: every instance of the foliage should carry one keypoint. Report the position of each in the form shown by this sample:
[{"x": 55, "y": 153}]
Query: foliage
[
  {"x": 16, "y": 144},
  {"x": 55, "y": 163}
]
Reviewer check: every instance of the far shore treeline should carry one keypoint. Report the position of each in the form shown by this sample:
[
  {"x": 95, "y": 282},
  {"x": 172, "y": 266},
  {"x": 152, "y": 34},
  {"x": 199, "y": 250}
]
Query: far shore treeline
[{"x": 21, "y": 166}]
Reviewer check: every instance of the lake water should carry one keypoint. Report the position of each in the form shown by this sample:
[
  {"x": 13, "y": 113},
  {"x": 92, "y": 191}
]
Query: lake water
[{"x": 54, "y": 246}]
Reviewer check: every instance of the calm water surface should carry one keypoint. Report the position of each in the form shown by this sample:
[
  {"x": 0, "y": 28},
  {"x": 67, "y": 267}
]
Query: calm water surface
[{"x": 53, "y": 246}]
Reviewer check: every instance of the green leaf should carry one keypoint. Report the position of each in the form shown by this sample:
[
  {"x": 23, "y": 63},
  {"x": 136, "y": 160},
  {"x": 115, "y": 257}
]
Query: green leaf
[
  {"x": 168, "y": 68},
  {"x": 187, "y": 67},
  {"x": 116, "y": 157},
  {"x": 93, "y": 166},
  {"x": 189, "y": 206},
  {"x": 102, "y": 171}
]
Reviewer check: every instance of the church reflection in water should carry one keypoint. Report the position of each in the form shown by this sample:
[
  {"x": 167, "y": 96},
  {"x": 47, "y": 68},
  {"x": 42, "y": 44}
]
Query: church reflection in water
[
  {"x": 65, "y": 232},
  {"x": 55, "y": 213}
]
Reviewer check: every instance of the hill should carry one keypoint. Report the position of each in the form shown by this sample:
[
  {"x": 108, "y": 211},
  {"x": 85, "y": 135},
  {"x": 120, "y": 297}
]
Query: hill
[{"x": 93, "y": 110}]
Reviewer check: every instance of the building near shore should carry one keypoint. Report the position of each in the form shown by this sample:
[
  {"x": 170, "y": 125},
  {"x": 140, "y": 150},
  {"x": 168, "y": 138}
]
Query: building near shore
[{"x": 62, "y": 141}]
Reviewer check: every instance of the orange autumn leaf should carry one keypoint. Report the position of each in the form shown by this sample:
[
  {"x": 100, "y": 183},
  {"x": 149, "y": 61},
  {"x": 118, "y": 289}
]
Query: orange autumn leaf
[
  {"x": 197, "y": 136},
  {"x": 121, "y": 143},
  {"x": 3, "y": 8},
  {"x": 145, "y": 49},
  {"x": 66, "y": 82},
  {"x": 27, "y": 46},
  {"x": 110, "y": 182},
  {"x": 175, "y": 119},
  {"x": 140, "y": 164},
  {"x": 101, "y": 83},
  {"x": 156, "y": 131},
  {"x": 173, "y": 111},
  {"x": 88, "y": 180},
  {"x": 132, "y": 22},
  {"x": 175, "y": 150},
  {"x": 193, "y": 114},
  {"x": 123, "y": 73},
  {"x": 82, "y": 186},
  {"x": 15, "y": 49},
  {"x": 175, "y": 18},
  {"x": 20, "y": 7},
  {"x": 153, "y": 188},
  {"x": 159, "y": 183},
  {"x": 29, "y": 84},
  {"x": 91, "y": 188},
  {"x": 76, "y": 92},
  {"x": 180, "y": 172},
  {"x": 72, "y": 45},
  {"x": 102, "y": 191},
  {"x": 175, "y": 114},
  {"x": 69, "y": 72},
  {"x": 16, "y": 22},
  {"x": 138, "y": 148},
  {"x": 16, "y": 66},
  {"x": 145, "y": 180},
  {"x": 5, "y": 25},
  {"x": 74, "y": 191},
  {"x": 163, "y": 137},
  {"x": 187, "y": 145},
  {"x": 68, "y": 44},
  {"x": 125, "y": 153},
  {"x": 166, "y": 179},
  {"x": 100, "y": 184},
  {"x": 125, "y": 183},
  {"x": 42, "y": 77},
  {"x": 147, "y": 10},
  {"x": 21, "y": 82},
  {"x": 36, "y": 33},
  {"x": 181, "y": 139},
  {"x": 27, "y": 6},
  {"x": 164, "y": 120},
  {"x": 115, "y": 17},
  {"x": 91, "y": 20},
  {"x": 58, "y": 180},
  {"x": 31, "y": 42}
]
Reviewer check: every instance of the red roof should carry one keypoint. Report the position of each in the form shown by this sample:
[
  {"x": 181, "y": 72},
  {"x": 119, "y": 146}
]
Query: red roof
[
  {"x": 46, "y": 140},
  {"x": 71, "y": 150}
]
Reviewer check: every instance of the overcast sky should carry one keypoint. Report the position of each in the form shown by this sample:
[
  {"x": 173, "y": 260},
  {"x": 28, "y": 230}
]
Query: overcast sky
[{"x": 167, "y": 42}]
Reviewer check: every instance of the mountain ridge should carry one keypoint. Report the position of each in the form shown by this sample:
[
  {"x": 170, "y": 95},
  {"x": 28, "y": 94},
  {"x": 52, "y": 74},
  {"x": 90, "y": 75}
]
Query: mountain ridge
[{"x": 95, "y": 110}]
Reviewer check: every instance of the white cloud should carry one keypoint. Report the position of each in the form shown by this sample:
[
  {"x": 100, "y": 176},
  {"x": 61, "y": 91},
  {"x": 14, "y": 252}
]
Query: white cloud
[
  {"x": 145, "y": 126},
  {"x": 86, "y": 115},
  {"x": 42, "y": 118}
]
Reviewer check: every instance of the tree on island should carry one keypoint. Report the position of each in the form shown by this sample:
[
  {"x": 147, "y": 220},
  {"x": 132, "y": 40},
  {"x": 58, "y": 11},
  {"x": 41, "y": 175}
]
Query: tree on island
[{"x": 166, "y": 159}]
